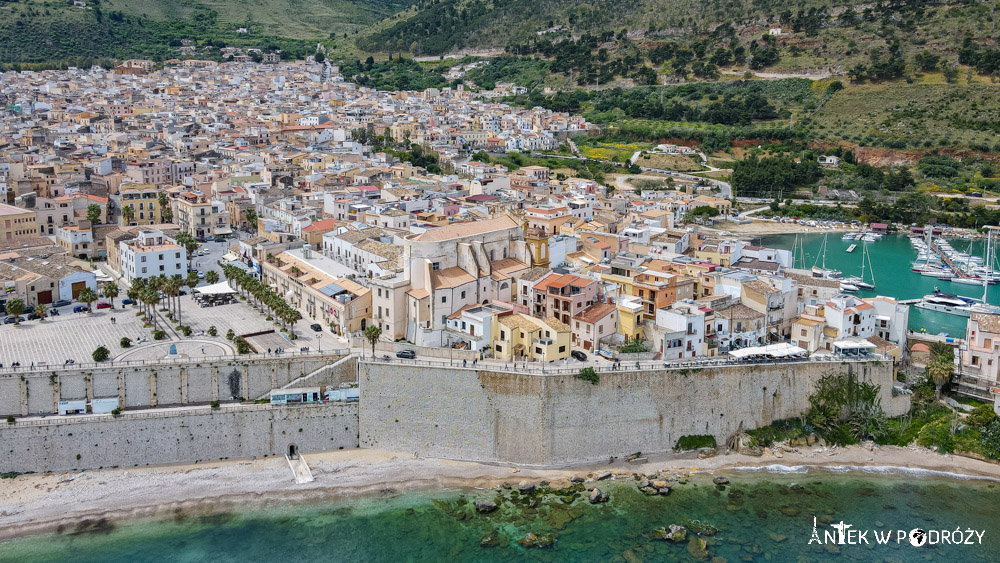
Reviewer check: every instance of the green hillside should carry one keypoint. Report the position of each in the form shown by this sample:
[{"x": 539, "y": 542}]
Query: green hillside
[{"x": 37, "y": 31}]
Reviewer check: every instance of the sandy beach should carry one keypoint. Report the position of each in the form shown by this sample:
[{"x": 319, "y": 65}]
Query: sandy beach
[{"x": 31, "y": 504}]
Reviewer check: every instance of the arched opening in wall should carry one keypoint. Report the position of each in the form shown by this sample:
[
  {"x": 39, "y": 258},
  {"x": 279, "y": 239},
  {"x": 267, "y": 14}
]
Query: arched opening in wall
[
  {"x": 293, "y": 451},
  {"x": 362, "y": 324}
]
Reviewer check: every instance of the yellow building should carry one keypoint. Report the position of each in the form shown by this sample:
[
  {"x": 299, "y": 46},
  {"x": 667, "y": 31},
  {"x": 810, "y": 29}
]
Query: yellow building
[
  {"x": 17, "y": 224},
  {"x": 144, "y": 201},
  {"x": 630, "y": 317},
  {"x": 522, "y": 338}
]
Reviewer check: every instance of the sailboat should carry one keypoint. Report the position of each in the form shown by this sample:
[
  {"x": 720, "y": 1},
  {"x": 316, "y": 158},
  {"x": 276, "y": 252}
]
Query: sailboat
[
  {"x": 859, "y": 282},
  {"x": 823, "y": 272}
]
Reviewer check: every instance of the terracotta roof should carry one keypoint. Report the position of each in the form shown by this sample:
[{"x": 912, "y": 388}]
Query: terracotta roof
[
  {"x": 458, "y": 230},
  {"x": 595, "y": 312},
  {"x": 450, "y": 277},
  {"x": 987, "y": 322}
]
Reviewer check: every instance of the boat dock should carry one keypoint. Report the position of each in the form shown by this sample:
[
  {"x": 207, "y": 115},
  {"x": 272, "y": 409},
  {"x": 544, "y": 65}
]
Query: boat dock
[
  {"x": 958, "y": 272},
  {"x": 851, "y": 248}
]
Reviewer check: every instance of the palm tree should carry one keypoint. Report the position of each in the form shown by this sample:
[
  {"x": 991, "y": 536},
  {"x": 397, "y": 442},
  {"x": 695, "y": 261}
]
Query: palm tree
[
  {"x": 165, "y": 210},
  {"x": 940, "y": 370},
  {"x": 189, "y": 244},
  {"x": 212, "y": 277},
  {"x": 172, "y": 287},
  {"x": 128, "y": 214},
  {"x": 110, "y": 290},
  {"x": 40, "y": 310},
  {"x": 372, "y": 334},
  {"x": 15, "y": 307},
  {"x": 87, "y": 296},
  {"x": 151, "y": 297}
]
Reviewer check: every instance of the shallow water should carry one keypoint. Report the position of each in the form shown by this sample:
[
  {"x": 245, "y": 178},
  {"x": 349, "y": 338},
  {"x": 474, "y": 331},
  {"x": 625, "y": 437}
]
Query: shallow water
[{"x": 760, "y": 516}]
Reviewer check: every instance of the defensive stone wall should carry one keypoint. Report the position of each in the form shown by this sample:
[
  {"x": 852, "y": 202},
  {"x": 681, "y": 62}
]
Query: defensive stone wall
[
  {"x": 154, "y": 384},
  {"x": 552, "y": 420},
  {"x": 175, "y": 436}
]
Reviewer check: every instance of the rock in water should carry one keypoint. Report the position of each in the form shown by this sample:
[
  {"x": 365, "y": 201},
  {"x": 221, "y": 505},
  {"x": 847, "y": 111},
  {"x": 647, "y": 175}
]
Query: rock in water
[
  {"x": 598, "y": 496},
  {"x": 701, "y": 528},
  {"x": 577, "y": 479},
  {"x": 778, "y": 538},
  {"x": 491, "y": 539},
  {"x": 526, "y": 487},
  {"x": 674, "y": 533},
  {"x": 604, "y": 475},
  {"x": 720, "y": 480},
  {"x": 537, "y": 540},
  {"x": 698, "y": 548},
  {"x": 649, "y": 491},
  {"x": 485, "y": 506}
]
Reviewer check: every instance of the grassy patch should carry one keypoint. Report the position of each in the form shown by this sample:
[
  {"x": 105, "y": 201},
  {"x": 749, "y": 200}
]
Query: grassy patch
[{"x": 694, "y": 442}]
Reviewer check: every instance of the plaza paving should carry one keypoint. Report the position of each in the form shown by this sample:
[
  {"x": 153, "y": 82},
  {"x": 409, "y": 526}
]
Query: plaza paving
[{"x": 76, "y": 335}]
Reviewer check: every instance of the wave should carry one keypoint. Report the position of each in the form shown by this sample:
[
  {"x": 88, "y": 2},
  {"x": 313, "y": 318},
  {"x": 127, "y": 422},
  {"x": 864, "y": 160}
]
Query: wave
[{"x": 880, "y": 469}]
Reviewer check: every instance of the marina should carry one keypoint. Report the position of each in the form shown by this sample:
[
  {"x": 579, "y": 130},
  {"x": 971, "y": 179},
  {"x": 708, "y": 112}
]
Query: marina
[{"x": 894, "y": 257}]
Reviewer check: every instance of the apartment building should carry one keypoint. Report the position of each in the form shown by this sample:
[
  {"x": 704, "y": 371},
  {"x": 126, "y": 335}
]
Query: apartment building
[{"x": 151, "y": 254}]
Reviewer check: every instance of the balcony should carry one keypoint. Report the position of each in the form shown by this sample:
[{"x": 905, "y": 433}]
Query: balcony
[{"x": 543, "y": 341}]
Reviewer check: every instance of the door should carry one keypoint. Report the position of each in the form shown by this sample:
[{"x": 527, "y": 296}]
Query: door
[
  {"x": 77, "y": 287},
  {"x": 45, "y": 297}
]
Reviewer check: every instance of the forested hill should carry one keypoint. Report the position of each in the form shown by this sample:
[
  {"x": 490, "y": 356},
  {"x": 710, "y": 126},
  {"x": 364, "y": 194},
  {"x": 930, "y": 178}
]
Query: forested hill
[
  {"x": 58, "y": 30},
  {"x": 814, "y": 34}
]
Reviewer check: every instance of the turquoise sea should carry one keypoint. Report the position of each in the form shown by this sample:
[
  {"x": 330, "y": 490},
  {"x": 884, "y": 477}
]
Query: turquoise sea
[
  {"x": 760, "y": 516},
  {"x": 891, "y": 259}
]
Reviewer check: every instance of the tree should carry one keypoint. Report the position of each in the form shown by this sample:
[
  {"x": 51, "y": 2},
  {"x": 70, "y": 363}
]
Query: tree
[
  {"x": 40, "y": 310},
  {"x": 172, "y": 287},
  {"x": 589, "y": 374},
  {"x": 110, "y": 290},
  {"x": 128, "y": 214},
  {"x": 192, "y": 280},
  {"x": 939, "y": 372},
  {"x": 212, "y": 276},
  {"x": 189, "y": 244},
  {"x": 166, "y": 213},
  {"x": 100, "y": 354},
  {"x": 150, "y": 297},
  {"x": 87, "y": 296},
  {"x": 372, "y": 334},
  {"x": 320, "y": 57},
  {"x": 251, "y": 216},
  {"x": 15, "y": 307},
  {"x": 94, "y": 214}
]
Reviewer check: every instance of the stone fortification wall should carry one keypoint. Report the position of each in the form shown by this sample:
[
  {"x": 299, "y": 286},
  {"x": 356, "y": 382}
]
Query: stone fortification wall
[
  {"x": 175, "y": 436},
  {"x": 153, "y": 384},
  {"x": 549, "y": 420}
]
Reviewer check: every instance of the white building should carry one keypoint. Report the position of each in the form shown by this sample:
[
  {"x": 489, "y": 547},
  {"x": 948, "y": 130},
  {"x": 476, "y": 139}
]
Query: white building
[
  {"x": 152, "y": 254},
  {"x": 684, "y": 323}
]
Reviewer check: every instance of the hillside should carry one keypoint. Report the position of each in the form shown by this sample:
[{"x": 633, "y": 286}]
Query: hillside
[
  {"x": 814, "y": 36},
  {"x": 45, "y": 31}
]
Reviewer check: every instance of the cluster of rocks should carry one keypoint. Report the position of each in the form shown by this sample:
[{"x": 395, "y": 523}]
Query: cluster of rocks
[
  {"x": 697, "y": 546},
  {"x": 598, "y": 496},
  {"x": 659, "y": 484}
]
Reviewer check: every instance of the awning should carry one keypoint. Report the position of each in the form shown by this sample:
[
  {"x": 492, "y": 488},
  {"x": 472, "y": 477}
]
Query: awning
[
  {"x": 230, "y": 257},
  {"x": 782, "y": 350},
  {"x": 223, "y": 230},
  {"x": 220, "y": 288}
]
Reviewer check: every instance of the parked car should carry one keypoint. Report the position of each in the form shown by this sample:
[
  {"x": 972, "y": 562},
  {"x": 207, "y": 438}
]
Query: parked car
[
  {"x": 28, "y": 309},
  {"x": 578, "y": 355},
  {"x": 80, "y": 309},
  {"x": 9, "y": 319},
  {"x": 126, "y": 301},
  {"x": 62, "y": 303},
  {"x": 406, "y": 354},
  {"x": 316, "y": 327},
  {"x": 104, "y": 305},
  {"x": 201, "y": 275},
  {"x": 33, "y": 316}
]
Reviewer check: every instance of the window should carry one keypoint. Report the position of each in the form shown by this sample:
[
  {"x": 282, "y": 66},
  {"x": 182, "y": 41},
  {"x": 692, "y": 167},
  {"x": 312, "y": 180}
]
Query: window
[
  {"x": 435, "y": 266},
  {"x": 498, "y": 348},
  {"x": 538, "y": 350},
  {"x": 503, "y": 336},
  {"x": 161, "y": 268},
  {"x": 463, "y": 295},
  {"x": 444, "y": 298},
  {"x": 177, "y": 255},
  {"x": 562, "y": 349},
  {"x": 143, "y": 259},
  {"x": 803, "y": 332},
  {"x": 144, "y": 269}
]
